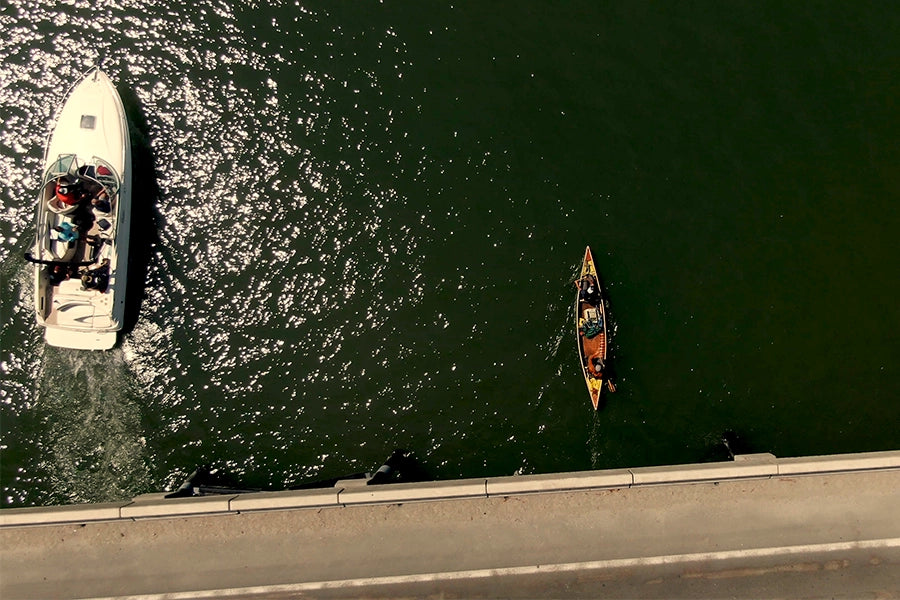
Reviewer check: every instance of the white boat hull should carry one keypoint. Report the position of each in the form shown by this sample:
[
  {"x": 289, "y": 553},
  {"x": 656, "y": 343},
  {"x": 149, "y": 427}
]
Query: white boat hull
[{"x": 90, "y": 144}]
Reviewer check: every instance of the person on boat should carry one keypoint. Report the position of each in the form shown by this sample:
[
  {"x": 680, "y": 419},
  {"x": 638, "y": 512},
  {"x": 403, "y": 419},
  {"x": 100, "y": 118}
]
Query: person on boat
[
  {"x": 70, "y": 191},
  {"x": 96, "y": 278},
  {"x": 58, "y": 274},
  {"x": 595, "y": 365},
  {"x": 94, "y": 240},
  {"x": 588, "y": 290},
  {"x": 90, "y": 187},
  {"x": 101, "y": 202},
  {"x": 66, "y": 193},
  {"x": 67, "y": 232}
]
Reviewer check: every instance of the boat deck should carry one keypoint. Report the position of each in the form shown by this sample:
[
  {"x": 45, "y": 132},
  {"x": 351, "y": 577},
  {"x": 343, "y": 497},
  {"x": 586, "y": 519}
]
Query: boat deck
[
  {"x": 80, "y": 283},
  {"x": 73, "y": 306},
  {"x": 68, "y": 303},
  {"x": 594, "y": 346}
]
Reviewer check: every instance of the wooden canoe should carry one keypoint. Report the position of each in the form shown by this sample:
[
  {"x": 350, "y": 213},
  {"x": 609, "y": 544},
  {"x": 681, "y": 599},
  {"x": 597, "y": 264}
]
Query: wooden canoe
[{"x": 590, "y": 327}]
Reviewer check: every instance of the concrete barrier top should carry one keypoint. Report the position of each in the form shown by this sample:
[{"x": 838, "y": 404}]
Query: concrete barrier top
[
  {"x": 72, "y": 513},
  {"x": 704, "y": 472},
  {"x": 157, "y": 505},
  {"x": 554, "y": 482},
  {"x": 839, "y": 462},
  {"x": 285, "y": 500},
  {"x": 412, "y": 492}
]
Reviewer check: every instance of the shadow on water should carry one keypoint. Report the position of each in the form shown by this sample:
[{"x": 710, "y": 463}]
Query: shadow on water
[
  {"x": 725, "y": 447},
  {"x": 93, "y": 449},
  {"x": 401, "y": 466},
  {"x": 609, "y": 368},
  {"x": 146, "y": 220}
]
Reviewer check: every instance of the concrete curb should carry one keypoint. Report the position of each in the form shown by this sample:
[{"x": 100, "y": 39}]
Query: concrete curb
[
  {"x": 757, "y": 465},
  {"x": 412, "y": 492},
  {"x": 559, "y": 482},
  {"x": 73, "y": 513},
  {"x": 356, "y": 493},
  {"x": 315, "y": 498},
  {"x": 157, "y": 505},
  {"x": 836, "y": 463}
]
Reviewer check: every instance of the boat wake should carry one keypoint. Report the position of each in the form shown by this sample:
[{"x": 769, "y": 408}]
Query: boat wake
[
  {"x": 93, "y": 450},
  {"x": 595, "y": 443}
]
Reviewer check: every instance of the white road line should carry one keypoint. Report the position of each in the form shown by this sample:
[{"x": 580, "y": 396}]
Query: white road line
[{"x": 615, "y": 563}]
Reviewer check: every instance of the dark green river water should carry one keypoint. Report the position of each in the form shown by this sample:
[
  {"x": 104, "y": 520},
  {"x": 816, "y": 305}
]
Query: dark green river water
[{"x": 360, "y": 224}]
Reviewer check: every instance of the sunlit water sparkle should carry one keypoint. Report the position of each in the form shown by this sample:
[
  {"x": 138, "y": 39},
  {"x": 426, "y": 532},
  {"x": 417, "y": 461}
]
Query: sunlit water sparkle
[{"x": 368, "y": 221}]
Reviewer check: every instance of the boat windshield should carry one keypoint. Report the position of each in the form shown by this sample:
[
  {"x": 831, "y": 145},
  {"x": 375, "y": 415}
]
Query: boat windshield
[{"x": 96, "y": 170}]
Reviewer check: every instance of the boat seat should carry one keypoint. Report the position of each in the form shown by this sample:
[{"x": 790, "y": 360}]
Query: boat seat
[
  {"x": 61, "y": 250},
  {"x": 60, "y": 208},
  {"x": 70, "y": 287},
  {"x": 73, "y": 311}
]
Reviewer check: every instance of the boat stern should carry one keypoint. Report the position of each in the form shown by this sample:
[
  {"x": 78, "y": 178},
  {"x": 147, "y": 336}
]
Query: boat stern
[
  {"x": 80, "y": 340},
  {"x": 595, "y": 386}
]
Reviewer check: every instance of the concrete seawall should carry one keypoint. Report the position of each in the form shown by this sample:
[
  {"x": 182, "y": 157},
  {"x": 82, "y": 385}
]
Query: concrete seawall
[
  {"x": 755, "y": 527},
  {"x": 356, "y": 493}
]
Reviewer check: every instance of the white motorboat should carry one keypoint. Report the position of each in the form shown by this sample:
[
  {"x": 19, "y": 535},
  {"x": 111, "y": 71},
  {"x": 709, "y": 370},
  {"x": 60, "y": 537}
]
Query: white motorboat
[{"x": 80, "y": 253}]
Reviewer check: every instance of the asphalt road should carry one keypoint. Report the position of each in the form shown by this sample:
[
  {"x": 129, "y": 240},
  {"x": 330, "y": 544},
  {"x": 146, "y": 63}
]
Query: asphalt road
[{"x": 832, "y": 535}]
